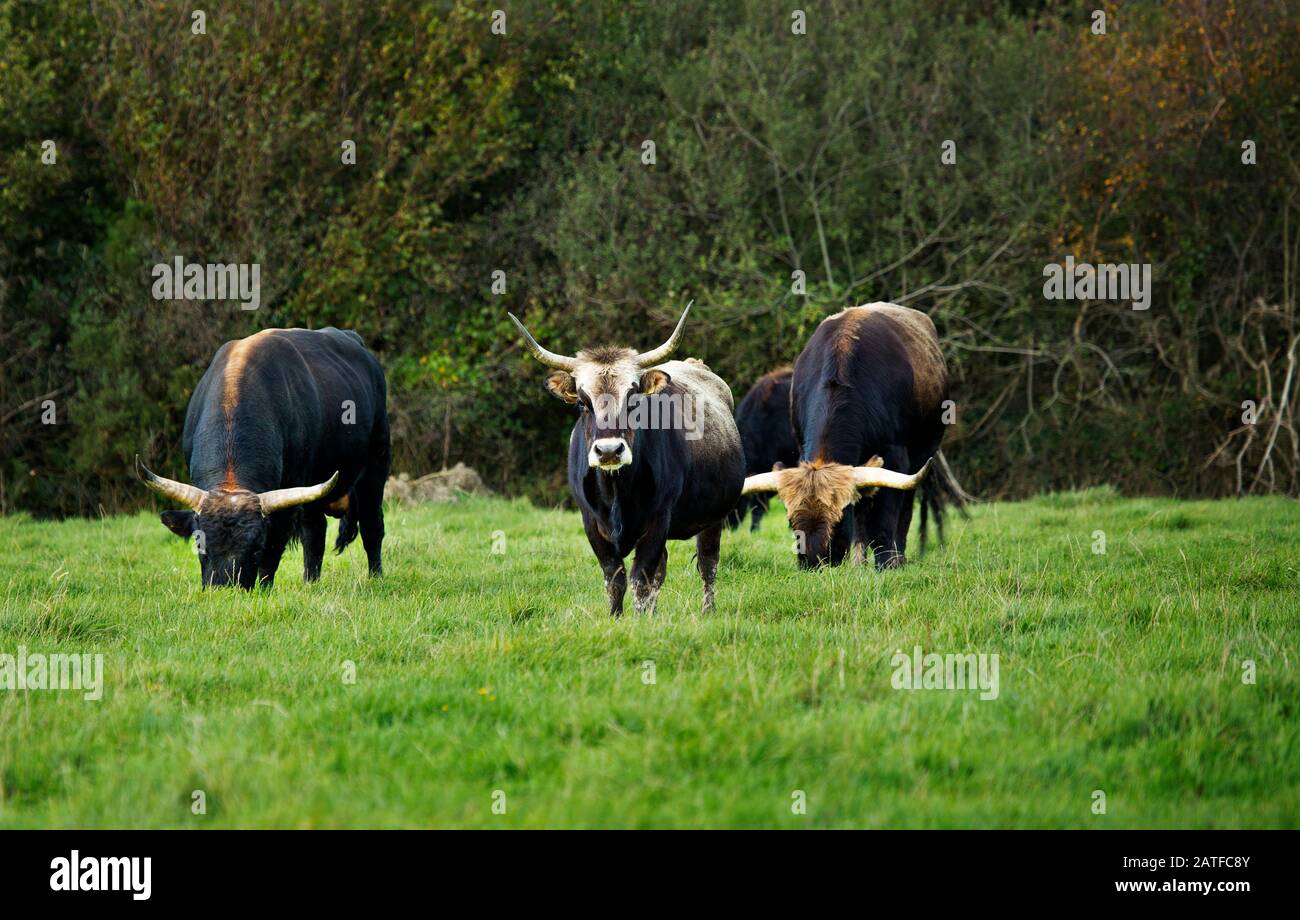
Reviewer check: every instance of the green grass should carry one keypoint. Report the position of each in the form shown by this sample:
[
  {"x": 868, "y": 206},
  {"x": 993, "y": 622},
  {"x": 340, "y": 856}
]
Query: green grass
[{"x": 478, "y": 672}]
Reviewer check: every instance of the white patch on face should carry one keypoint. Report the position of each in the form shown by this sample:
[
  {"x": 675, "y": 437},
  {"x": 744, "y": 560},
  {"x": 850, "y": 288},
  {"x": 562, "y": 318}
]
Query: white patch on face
[
  {"x": 609, "y": 454},
  {"x": 592, "y": 377},
  {"x": 607, "y": 386}
]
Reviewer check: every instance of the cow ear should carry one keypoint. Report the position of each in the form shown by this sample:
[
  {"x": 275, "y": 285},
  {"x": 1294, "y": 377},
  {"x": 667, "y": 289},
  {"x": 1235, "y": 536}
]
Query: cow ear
[
  {"x": 652, "y": 381},
  {"x": 180, "y": 523},
  {"x": 561, "y": 386}
]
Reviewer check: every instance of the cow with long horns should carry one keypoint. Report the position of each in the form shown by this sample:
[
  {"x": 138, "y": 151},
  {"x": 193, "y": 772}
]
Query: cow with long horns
[
  {"x": 866, "y": 406},
  {"x": 654, "y": 456},
  {"x": 285, "y": 427}
]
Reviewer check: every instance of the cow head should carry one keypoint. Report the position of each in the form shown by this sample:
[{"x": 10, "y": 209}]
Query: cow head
[
  {"x": 602, "y": 382},
  {"x": 816, "y": 494},
  {"x": 229, "y": 525}
]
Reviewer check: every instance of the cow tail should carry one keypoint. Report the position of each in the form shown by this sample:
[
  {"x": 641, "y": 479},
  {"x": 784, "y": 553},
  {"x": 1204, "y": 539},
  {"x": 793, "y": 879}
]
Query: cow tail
[
  {"x": 347, "y": 526},
  {"x": 939, "y": 490}
]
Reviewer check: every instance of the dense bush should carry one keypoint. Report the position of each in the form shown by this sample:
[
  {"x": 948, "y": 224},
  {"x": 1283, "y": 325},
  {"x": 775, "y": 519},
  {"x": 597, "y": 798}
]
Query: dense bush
[{"x": 775, "y": 154}]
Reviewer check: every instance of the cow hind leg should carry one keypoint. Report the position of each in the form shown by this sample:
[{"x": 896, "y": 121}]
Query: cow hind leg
[
  {"x": 923, "y": 530},
  {"x": 313, "y": 543},
  {"x": 937, "y": 504},
  {"x": 370, "y": 516},
  {"x": 369, "y": 497},
  {"x": 708, "y": 549},
  {"x": 737, "y": 515}
]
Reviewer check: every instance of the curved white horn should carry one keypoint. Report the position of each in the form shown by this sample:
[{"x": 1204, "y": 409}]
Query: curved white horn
[
  {"x": 549, "y": 358},
  {"x": 187, "y": 495},
  {"x": 874, "y": 476},
  {"x": 279, "y": 499},
  {"x": 654, "y": 356},
  {"x": 762, "y": 482}
]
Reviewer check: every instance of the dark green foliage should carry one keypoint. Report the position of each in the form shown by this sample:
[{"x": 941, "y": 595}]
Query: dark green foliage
[{"x": 774, "y": 153}]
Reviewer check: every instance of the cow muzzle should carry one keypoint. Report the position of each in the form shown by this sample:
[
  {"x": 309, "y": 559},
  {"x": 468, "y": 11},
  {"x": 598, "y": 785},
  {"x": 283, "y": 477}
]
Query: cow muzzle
[{"x": 609, "y": 454}]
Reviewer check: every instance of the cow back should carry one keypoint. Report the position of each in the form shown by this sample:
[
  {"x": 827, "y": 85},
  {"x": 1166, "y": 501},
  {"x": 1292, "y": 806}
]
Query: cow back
[
  {"x": 286, "y": 407},
  {"x": 869, "y": 377}
]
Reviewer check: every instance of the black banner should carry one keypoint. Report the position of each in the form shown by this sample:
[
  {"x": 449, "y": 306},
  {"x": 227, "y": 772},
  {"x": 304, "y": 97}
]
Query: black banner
[{"x": 1219, "y": 870}]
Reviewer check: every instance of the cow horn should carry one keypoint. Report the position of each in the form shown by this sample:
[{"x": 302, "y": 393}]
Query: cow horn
[
  {"x": 647, "y": 358},
  {"x": 280, "y": 499},
  {"x": 549, "y": 358},
  {"x": 865, "y": 477},
  {"x": 187, "y": 495},
  {"x": 762, "y": 482}
]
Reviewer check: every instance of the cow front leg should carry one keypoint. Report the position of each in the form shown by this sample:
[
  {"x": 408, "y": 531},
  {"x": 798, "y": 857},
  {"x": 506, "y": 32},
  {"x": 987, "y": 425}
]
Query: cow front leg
[
  {"x": 650, "y": 566},
  {"x": 662, "y": 571},
  {"x": 648, "y": 572},
  {"x": 863, "y": 510},
  {"x": 905, "y": 509},
  {"x": 313, "y": 543},
  {"x": 615, "y": 584},
  {"x": 646, "y": 592},
  {"x": 611, "y": 564},
  {"x": 708, "y": 549},
  {"x": 881, "y": 529},
  {"x": 277, "y": 538},
  {"x": 880, "y": 525}
]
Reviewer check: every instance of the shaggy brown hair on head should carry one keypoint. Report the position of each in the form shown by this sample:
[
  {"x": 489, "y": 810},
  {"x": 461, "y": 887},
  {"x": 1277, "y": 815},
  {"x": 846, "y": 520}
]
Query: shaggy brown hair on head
[
  {"x": 606, "y": 354},
  {"x": 815, "y": 493}
]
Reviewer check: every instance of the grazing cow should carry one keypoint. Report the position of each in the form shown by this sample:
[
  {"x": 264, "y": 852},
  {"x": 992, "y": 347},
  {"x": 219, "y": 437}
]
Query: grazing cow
[
  {"x": 763, "y": 418},
  {"x": 870, "y": 383},
  {"x": 285, "y": 427},
  {"x": 654, "y": 456}
]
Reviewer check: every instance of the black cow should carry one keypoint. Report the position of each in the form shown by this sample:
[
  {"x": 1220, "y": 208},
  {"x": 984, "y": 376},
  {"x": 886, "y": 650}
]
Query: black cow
[
  {"x": 654, "y": 456},
  {"x": 867, "y": 411},
  {"x": 763, "y": 418},
  {"x": 285, "y": 427}
]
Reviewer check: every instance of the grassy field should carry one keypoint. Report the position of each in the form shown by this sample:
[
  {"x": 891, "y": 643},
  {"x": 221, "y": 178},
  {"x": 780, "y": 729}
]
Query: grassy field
[{"x": 483, "y": 678}]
